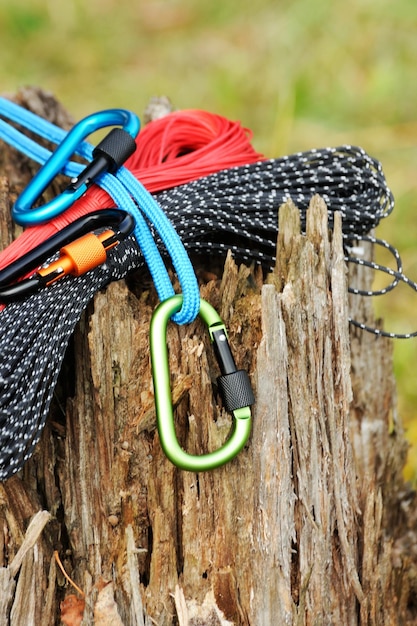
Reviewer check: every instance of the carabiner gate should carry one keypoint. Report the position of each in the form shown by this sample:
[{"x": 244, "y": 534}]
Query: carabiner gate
[
  {"x": 108, "y": 156},
  {"x": 80, "y": 250},
  {"x": 234, "y": 386}
]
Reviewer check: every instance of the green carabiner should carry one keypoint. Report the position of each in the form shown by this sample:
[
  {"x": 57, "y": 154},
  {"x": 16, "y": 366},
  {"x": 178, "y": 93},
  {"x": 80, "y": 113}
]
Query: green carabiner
[{"x": 233, "y": 384}]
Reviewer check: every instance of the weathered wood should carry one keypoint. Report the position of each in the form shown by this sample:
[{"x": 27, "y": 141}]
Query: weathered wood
[{"x": 305, "y": 526}]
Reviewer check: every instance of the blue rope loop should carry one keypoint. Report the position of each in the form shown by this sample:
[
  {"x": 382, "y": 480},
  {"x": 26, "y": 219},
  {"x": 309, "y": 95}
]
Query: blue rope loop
[{"x": 127, "y": 193}]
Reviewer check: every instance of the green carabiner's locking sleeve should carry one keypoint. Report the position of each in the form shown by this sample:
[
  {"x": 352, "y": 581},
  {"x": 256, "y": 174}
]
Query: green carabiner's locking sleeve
[{"x": 233, "y": 384}]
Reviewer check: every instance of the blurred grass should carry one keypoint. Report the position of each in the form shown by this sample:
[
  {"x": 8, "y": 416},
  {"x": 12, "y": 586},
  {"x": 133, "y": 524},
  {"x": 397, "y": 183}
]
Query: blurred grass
[{"x": 299, "y": 74}]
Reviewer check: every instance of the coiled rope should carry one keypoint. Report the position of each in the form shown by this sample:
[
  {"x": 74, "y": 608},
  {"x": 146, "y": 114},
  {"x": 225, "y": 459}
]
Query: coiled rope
[
  {"x": 34, "y": 336},
  {"x": 235, "y": 208}
]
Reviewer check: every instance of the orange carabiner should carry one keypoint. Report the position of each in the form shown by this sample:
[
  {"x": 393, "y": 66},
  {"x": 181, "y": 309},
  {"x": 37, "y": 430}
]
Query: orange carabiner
[{"x": 80, "y": 248}]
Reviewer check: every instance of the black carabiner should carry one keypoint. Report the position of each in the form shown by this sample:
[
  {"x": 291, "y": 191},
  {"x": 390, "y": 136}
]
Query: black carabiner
[{"x": 121, "y": 222}]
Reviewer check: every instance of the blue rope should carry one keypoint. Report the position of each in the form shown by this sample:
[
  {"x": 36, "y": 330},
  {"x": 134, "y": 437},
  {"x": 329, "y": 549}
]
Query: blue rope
[{"x": 127, "y": 192}]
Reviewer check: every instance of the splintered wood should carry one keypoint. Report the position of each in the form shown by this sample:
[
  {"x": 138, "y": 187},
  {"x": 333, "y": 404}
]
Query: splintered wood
[
  {"x": 310, "y": 524},
  {"x": 303, "y": 398}
]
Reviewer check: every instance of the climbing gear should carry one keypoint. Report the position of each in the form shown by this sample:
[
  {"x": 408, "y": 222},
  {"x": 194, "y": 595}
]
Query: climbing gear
[
  {"x": 108, "y": 156},
  {"x": 233, "y": 384},
  {"x": 57, "y": 309},
  {"x": 80, "y": 251},
  {"x": 125, "y": 190},
  {"x": 171, "y": 150},
  {"x": 233, "y": 209}
]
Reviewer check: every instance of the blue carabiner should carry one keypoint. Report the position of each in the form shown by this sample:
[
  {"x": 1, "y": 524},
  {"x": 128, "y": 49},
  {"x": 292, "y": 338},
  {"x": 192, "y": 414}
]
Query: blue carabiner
[{"x": 107, "y": 156}]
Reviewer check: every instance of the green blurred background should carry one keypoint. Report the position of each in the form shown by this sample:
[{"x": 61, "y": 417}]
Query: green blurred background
[{"x": 299, "y": 73}]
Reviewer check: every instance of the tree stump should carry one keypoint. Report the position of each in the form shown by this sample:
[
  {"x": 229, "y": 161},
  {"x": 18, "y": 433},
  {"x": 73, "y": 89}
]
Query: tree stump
[{"x": 312, "y": 522}]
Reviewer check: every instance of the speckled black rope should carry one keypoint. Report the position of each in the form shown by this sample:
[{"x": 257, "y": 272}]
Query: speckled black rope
[
  {"x": 396, "y": 275},
  {"x": 237, "y": 208},
  {"x": 234, "y": 209},
  {"x": 33, "y": 339}
]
